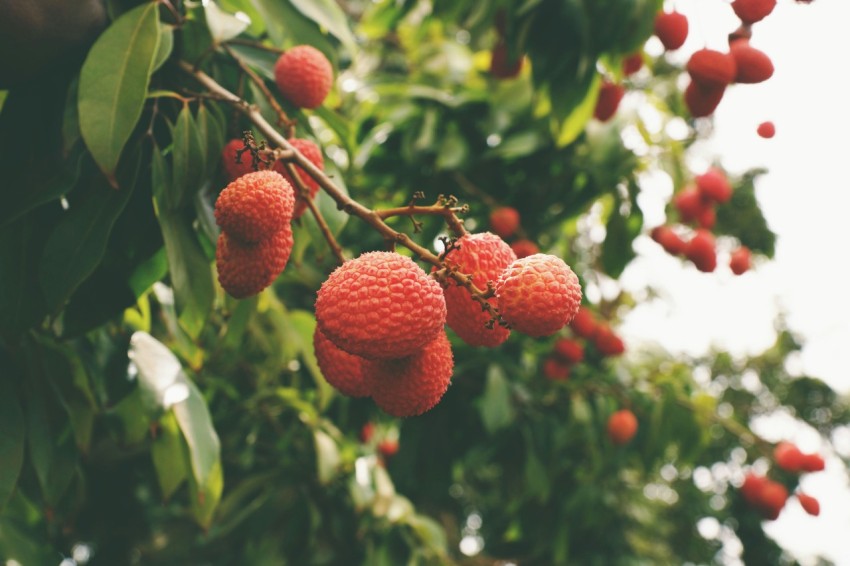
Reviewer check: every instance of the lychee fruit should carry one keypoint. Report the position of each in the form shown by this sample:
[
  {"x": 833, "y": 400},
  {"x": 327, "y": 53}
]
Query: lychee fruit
[
  {"x": 706, "y": 218},
  {"x": 342, "y": 370},
  {"x": 752, "y": 11},
  {"x": 584, "y": 323},
  {"x": 483, "y": 257},
  {"x": 410, "y": 386},
  {"x": 713, "y": 185},
  {"x": 568, "y": 350},
  {"x": 622, "y": 426},
  {"x": 555, "y": 369},
  {"x": 668, "y": 239},
  {"x": 304, "y": 76},
  {"x": 689, "y": 203},
  {"x": 766, "y": 130},
  {"x": 229, "y": 155},
  {"x": 672, "y": 29},
  {"x": 710, "y": 68},
  {"x": 524, "y": 248},
  {"x": 380, "y": 305},
  {"x": 752, "y": 66},
  {"x": 504, "y": 221},
  {"x": 772, "y": 498},
  {"x": 255, "y": 206},
  {"x": 702, "y": 100},
  {"x": 751, "y": 488},
  {"x": 607, "y": 341},
  {"x": 632, "y": 63},
  {"x": 501, "y": 66},
  {"x": 538, "y": 295},
  {"x": 246, "y": 269},
  {"x": 388, "y": 447},
  {"x": 701, "y": 251},
  {"x": 788, "y": 457},
  {"x": 367, "y": 431},
  {"x": 739, "y": 261},
  {"x": 610, "y": 95},
  {"x": 312, "y": 152},
  {"x": 809, "y": 504},
  {"x": 813, "y": 463}
]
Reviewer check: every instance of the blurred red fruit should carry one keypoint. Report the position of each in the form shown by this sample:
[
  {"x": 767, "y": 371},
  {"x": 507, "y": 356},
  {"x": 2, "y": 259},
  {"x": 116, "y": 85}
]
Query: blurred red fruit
[
  {"x": 388, "y": 448},
  {"x": 569, "y": 350},
  {"x": 367, "y": 432},
  {"x": 751, "y": 489},
  {"x": 766, "y": 130},
  {"x": 524, "y": 248},
  {"x": 710, "y": 68},
  {"x": 672, "y": 29},
  {"x": 813, "y": 463},
  {"x": 632, "y": 63},
  {"x": 809, "y": 504},
  {"x": 607, "y": 341},
  {"x": 788, "y": 457},
  {"x": 739, "y": 262},
  {"x": 752, "y": 11},
  {"x": 504, "y": 221},
  {"x": 713, "y": 185},
  {"x": 610, "y": 95},
  {"x": 501, "y": 66},
  {"x": 752, "y": 66},
  {"x": 622, "y": 426},
  {"x": 584, "y": 323},
  {"x": 701, "y": 100},
  {"x": 555, "y": 369},
  {"x": 668, "y": 239},
  {"x": 701, "y": 251},
  {"x": 772, "y": 498},
  {"x": 689, "y": 203}
]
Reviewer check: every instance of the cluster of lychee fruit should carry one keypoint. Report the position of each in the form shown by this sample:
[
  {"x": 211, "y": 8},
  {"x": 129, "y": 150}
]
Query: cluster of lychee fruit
[
  {"x": 567, "y": 352},
  {"x": 505, "y": 223},
  {"x": 769, "y": 496},
  {"x": 695, "y": 205}
]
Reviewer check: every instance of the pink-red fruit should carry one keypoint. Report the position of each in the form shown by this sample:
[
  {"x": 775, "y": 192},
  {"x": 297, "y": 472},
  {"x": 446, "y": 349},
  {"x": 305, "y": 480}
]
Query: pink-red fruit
[
  {"x": 710, "y": 68},
  {"x": 483, "y": 257},
  {"x": 230, "y": 154},
  {"x": 632, "y": 63},
  {"x": 788, "y": 457},
  {"x": 771, "y": 499},
  {"x": 714, "y": 186},
  {"x": 622, "y": 426},
  {"x": 342, "y": 370},
  {"x": 312, "y": 152},
  {"x": 701, "y": 251},
  {"x": 689, "y": 203},
  {"x": 410, "y": 386},
  {"x": 255, "y": 206},
  {"x": 304, "y": 76},
  {"x": 752, "y": 66},
  {"x": 538, "y": 295},
  {"x": 610, "y": 95},
  {"x": 569, "y": 351},
  {"x": 809, "y": 504},
  {"x": 380, "y": 305},
  {"x": 246, "y": 269},
  {"x": 524, "y": 248},
  {"x": 766, "y": 130},
  {"x": 584, "y": 323},
  {"x": 556, "y": 369},
  {"x": 668, "y": 239},
  {"x": 739, "y": 261},
  {"x": 752, "y": 11},
  {"x": 702, "y": 100},
  {"x": 672, "y": 29},
  {"x": 504, "y": 221},
  {"x": 388, "y": 448},
  {"x": 607, "y": 341}
]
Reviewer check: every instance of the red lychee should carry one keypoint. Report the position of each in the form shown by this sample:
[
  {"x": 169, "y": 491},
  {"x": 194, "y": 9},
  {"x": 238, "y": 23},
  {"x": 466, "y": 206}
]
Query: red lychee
[
  {"x": 504, "y": 221},
  {"x": 751, "y": 489},
  {"x": 524, "y": 248},
  {"x": 669, "y": 240},
  {"x": 555, "y": 369},
  {"x": 501, "y": 66},
  {"x": 380, "y": 305},
  {"x": 714, "y": 186},
  {"x": 610, "y": 95},
  {"x": 689, "y": 203},
  {"x": 772, "y": 498},
  {"x": 607, "y": 341},
  {"x": 766, "y": 130},
  {"x": 230, "y": 153},
  {"x": 710, "y": 68},
  {"x": 632, "y": 63},
  {"x": 701, "y": 251},
  {"x": 568, "y": 350},
  {"x": 312, "y": 152},
  {"x": 304, "y": 76},
  {"x": 388, "y": 448},
  {"x": 483, "y": 257},
  {"x": 538, "y": 295},
  {"x": 584, "y": 323},
  {"x": 342, "y": 370},
  {"x": 706, "y": 218},
  {"x": 788, "y": 457},
  {"x": 813, "y": 463},
  {"x": 809, "y": 504},
  {"x": 752, "y": 11},
  {"x": 752, "y": 66},
  {"x": 247, "y": 269},
  {"x": 366, "y": 432},
  {"x": 622, "y": 426},
  {"x": 672, "y": 29},
  {"x": 739, "y": 261},
  {"x": 702, "y": 101},
  {"x": 255, "y": 206},
  {"x": 410, "y": 386}
]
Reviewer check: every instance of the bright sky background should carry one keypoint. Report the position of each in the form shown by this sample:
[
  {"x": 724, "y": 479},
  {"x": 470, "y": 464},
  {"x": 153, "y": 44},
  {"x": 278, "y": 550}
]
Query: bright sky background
[{"x": 806, "y": 199}]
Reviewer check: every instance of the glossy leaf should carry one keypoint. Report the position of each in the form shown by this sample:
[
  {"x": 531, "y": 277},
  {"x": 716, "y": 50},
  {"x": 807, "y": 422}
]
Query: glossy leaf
[
  {"x": 188, "y": 159},
  {"x": 167, "y": 455}
]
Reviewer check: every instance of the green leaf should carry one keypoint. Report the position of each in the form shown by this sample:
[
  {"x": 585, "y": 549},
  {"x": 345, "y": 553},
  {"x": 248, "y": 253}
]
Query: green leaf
[
  {"x": 167, "y": 455},
  {"x": 330, "y": 16},
  {"x": 223, "y": 26},
  {"x": 211, "y": 130},
  {"x": 11, "y": 440},
  {"x": 188, "y": 158},
  {"x": 303, "y": 324},
  {"x": 166, "y": 45},
  {"x": 114, "y": 82},
  {"x": 578, "y": 118},
  {"x": 495, "y": 406},
  {"x": 617, "y": 250},
  {"x": 283, "y": 20}
]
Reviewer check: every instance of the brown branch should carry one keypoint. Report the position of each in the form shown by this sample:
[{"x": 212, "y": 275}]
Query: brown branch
[
  {"x": 282, "y": 119},
  {"x": 443, "y": 207}
]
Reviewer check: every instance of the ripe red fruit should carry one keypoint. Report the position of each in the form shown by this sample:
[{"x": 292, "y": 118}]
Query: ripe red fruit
[
  {"x": 555, "y": 369},
  {"x": 813, "y": 463},
  {"x": 342, "y": 370},
  {"x": 752, "y": 11},
  {"x": 702, "y": 101},
  {"x": 610, "y": 95},
  {"x": 751, "y": 489},
  {"x": 739, "y": 262},
  {"x": 788, "y": 457},
  {"x": 809, "y": 504},
  {"x": 312, "y": 152},
  {"x": 569, "y": 351},
  {"x": 668, "y": 239},
  {"x": 524, "y": 248},
  {"x": 701, "y": 251},
  {"x": 229, "y": 155},
  {"x": 766, "y": 130},
  {"x": 752, "y": 66},
  {"x": 772, "y": 498},
  {"x": 689, "y": 203},
  {"x": 367, "y": 432},
  {"x": 255, "y": 206},
  {"x": 710, "y": 68},
  {"x": 410, "y": 386},
  {"x": 504, "y": 221},
  {"x": 304, "y": 76},
  {"x": 501, "y": 66},
  {"x": 538, "y": 295},
  {"x": 632, "y": 63},
  {"x": 672, "y": 29},
  {"x": 380, "y": 305},
  {"x": 388, "y": 448},
  {"x": 707, "y": 218},
  {"x": 584, "y": 323},
  {"x": 246, "y": 269},
  {"x": 622, "y": 426},
  {"x": 483, "y": 257},
  {"x": 607, "y": 341},
  {"x": 713, "y": 185}
]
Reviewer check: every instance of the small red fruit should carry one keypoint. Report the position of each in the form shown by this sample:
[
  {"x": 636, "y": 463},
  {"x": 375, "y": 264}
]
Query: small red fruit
[
  {"x": 524, "y": 248},
  {"x": 504, "y": 221},
  {"x": 668, "y": 239},
  {"x": 672, "y": 29},
  {"x": 610, "y": 95},
  {"x": 584, "y": 323},
  {"x": 739, "y": 262},
  {"x": 713, "y": 185},
  {"x": 813, "y": 463},
  {"x": 751, "y": 489},
  {"x": 569, "y": 351},
  {"x": 788, "y": 457},
  {"x": 304, "y": 76},
  {"x": 689, "y": 203},
  {"x": 388, "y": 448},
  {"x": 255, "y": 206},
  {"x": 752, "y": 11},
  {"x": 632, "y": 63},
  {"x": 555, "y": 369},
  {"x": 710, "y": 68},
  {"x": 229, "y": 155},
  {"x": 247, "y": 269},
  {"x": 702, "y": 101},
  {"x": 809, "y": 504},
  {"x": 622, "y": 426},
  {"x": 342, "y": 370},
  {"x": 312, "y": 152},
  {"x": 766, "y": 130},
  {"x": 367, "y": 432},
  {"x": 771, "y": 499},
  {"x": 607, "y": 341},
  {"x": 752, "y": 66},
  {"x": 501, "y": 66},
  {"x": 701, "y": 251},
  {"x": 706, "y": 218}
]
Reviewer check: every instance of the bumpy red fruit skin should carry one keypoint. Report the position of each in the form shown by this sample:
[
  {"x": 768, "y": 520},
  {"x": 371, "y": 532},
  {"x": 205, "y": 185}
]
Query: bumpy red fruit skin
[
  {"x": 752, "y": 66},
  {"x": 701, "y": 251},
  {"x": 556, "y": 369},
  {"x": 255, "y": 206},
  {"x": 380, "y": 305},
  {"x": 702, "y": 101},
  {"x": 809, "y": 504},
  {"x": 672, "y": 29},
  {"x": 233, "y": 169},
  {"x": 607, "y": 341},
  {"x": 410, "y": 386},
  {"x": 584, "y": 323},
  {"x": 739, "y": 262},
  {"x": 524, "y": 248},
  {"x": 312, "y": 152},
  {"x": 710, "y": 68},
  {"x": 610, "y": 95},
  {"x": 538, "y": 295},
  {"x": 500, "y": 66},
  {"x": 247, "y": 269},
  {"x": 504, "y": 221},
  {"x": 569, "y": 351},
  {"x": 342, "y": 370},
  {"x": 483, "y": 257},
  {"x": 622, "y": 426},
  {"x": 752, "y": 11},
  {"x": 304, "y": 76},
  {"x": 668, "y": 239},
  {"x": 788, "y": 457},
  {"x": 713, "y": 185},
  {"x": 766, "y": 130}
]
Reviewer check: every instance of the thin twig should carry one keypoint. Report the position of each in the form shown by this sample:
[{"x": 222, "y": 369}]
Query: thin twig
[
  {"x": 440, "y": 208},
  {"x": 282, "y": 119}
]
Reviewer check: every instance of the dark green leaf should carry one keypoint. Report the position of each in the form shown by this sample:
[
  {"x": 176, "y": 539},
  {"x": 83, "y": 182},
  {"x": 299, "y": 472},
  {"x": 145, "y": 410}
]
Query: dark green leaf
[
  {"x": 11, "y": 440},
  {"x": 167, "y": 454},
  {"x": 617, "y": 249},
  {"x": 166, "y": 45},
  {"x": 495, "y": 405},
  {"x": 188, "y": 159}
]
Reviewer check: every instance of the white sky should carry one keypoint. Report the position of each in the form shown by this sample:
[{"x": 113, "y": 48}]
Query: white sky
[{"x": 806, "y": 199}]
